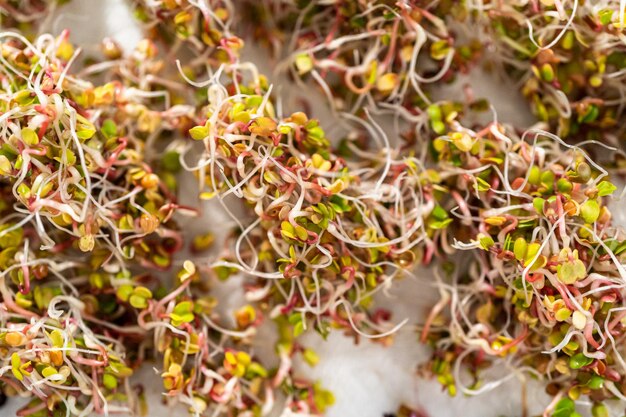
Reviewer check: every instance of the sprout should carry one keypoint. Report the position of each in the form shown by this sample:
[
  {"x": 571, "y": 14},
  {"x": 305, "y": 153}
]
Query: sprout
[{"x": 89, "y": 161}]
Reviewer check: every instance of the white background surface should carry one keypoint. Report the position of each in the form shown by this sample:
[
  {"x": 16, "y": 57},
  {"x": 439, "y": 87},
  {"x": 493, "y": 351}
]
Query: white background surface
[{"x": 367, "y": 380}]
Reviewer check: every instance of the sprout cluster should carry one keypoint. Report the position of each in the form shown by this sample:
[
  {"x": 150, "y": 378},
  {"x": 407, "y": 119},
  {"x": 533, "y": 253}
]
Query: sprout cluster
[{"x": 98, "y": 276}]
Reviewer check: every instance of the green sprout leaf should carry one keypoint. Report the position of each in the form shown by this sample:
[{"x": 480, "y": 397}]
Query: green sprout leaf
[
  {"x": 590, "y": 211},
  {"x": 564, "y": 408},
  {"x": 199, "y": 132},
  {"x": 606, "y": 188},
  {"x": 485, "y": 241},
  {"x": 304, "y": 63},
  {"x": 579, "y": 360},
  {"x": 29, "y": 136},
  {"x": 182, "y": 313}
]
